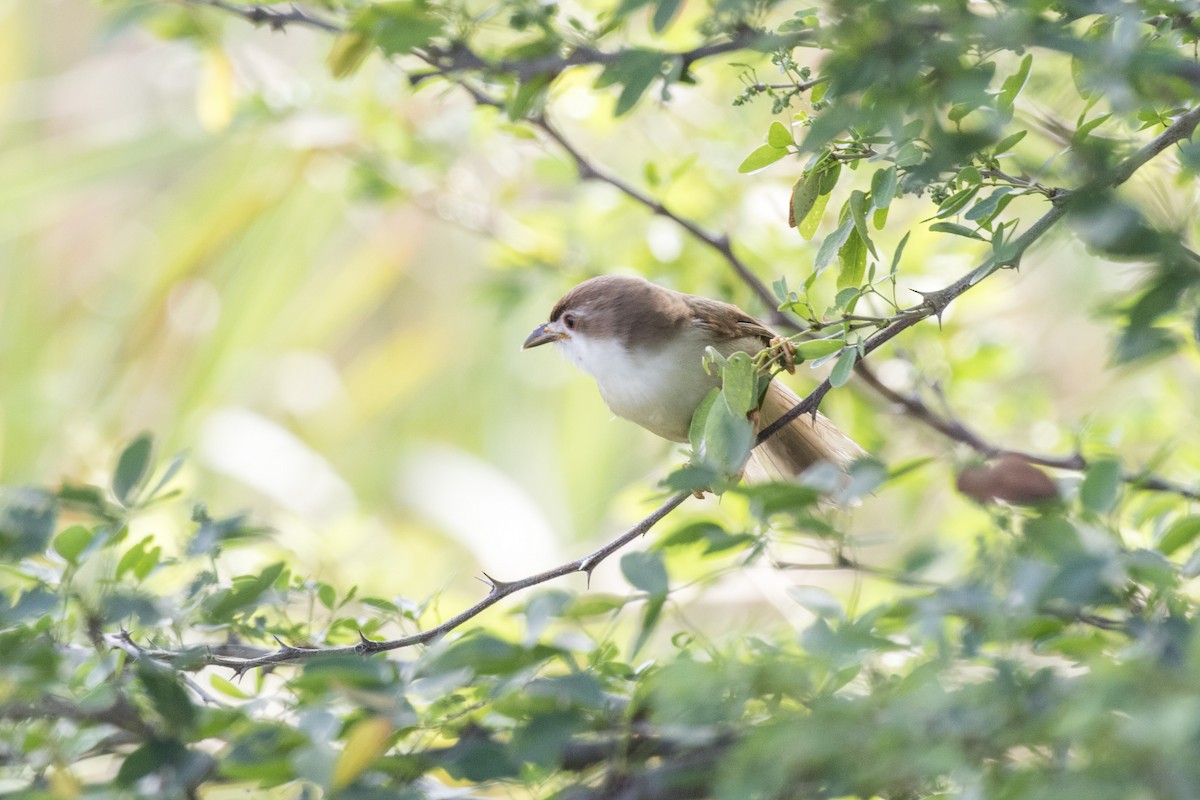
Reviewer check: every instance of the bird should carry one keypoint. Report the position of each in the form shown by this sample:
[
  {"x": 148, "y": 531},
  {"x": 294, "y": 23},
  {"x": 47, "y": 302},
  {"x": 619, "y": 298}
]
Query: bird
[{"x": 644, "y": 344}]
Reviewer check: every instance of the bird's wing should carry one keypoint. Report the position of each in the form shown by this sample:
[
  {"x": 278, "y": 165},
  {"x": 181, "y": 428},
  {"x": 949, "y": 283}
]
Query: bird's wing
[{"x": 727, "y": 321}]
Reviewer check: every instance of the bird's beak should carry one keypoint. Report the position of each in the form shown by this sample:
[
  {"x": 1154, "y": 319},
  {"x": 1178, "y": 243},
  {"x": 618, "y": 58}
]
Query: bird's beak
[{"x": 543, "y": 334}]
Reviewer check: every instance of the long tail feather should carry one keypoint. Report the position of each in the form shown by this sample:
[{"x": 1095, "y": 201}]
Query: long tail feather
[{"x": 804, "y": 442}]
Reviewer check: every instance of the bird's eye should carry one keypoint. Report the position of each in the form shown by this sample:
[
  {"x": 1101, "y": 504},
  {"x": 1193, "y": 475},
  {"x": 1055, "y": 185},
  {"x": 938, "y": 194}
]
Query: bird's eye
[{"x": 569, "y": 321}]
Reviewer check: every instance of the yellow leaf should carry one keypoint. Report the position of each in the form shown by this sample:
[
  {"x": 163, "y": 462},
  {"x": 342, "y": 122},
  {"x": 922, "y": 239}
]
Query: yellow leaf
[
  {"x": 366, "y": 741},
  {"x": 214, "y": 96},
  {"x": 348, "y": 53},
  {"x": 64, "y": 784}
]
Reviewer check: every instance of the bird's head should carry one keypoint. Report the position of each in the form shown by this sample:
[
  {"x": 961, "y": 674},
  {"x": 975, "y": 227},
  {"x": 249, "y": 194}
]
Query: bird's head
[{"x": 624, "y": 310}]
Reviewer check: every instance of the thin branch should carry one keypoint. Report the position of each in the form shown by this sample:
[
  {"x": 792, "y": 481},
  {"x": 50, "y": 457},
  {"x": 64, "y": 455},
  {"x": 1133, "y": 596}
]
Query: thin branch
[
  {"x": 954, "y": 429},
  {"x": 450, "y": 62},
  {"x": 844, "y": 563},
  {"x": 718, "y": 242},
  {"x": 273, "y": 18},
  {"x": 934, "y": 303},
  {"x": 457, "y": 58},
  {"x": 498, "y": 590},
  {"x": 120, "y": 713}
]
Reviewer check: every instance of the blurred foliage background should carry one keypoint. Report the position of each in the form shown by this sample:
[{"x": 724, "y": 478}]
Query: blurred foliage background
[
  {"x": 310, "y": 272},
  {"x": 318, "y": 288}
]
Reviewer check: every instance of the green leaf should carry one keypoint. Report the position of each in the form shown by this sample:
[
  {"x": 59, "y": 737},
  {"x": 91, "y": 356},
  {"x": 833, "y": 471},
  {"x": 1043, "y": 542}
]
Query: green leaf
[
  {"x": 327, "y": 595},
  {"x": 853, "y": 260},
  {"x": 399, "y": 27},
  {"x": 153, "y": 756},
  {"x": 728, "y": 437},
  {"x": 1182, "y": 532},
  {"x": 664, "y": 12},
  {"x": 883, "y": 187},
  {"x": 167, "y": 694},
  {"x": 1008, "y": 143},
  {"x": 529, "y": 94},
  {"x": 226, "y": 687},
  {"x": 832, "y": 244},
  {"x": 804, "y": 197},
  {"x": 245, "y": 592},
  {"x": 955, "y": 202},
  {"x": 1083, "y": 130},
  {"x": 692, "y": 478},
  {"x": 740, "y": 384},
  {"x": 27, "y": 520},
  {"x": 1098, "y": 492},
  {"x": 700, "y": 419},
  {"x": 133, "y": 468},
  {"x": 864, "y": 476},
  {"x": 635, "y": 70},
  {"x": 132, "y": 557},
  {"x": 844, "y": 366},
  {"x": 858, "y": 212},
  {"x": 715, "y": 538},
  {"x": 899, "y": 252},
  {"x": 650, "y": 617},
  {"x": 779, "y": 136},
  {"x": 481, "y": 652},
  {"x": 969, "y": 175},
  {"x": 1014, "y": 83},
  {"x": 817, "y": 348},
  {"x": 347, "y": 54},
  {"x": 474, "y": 758},
  {"x": 761, "y": 157},
  {"x": 956, "y": 229},
  {"x": 959, "y": 110},
  {"x": 879, "y": 218},
  {"x": 828, "y": 177},
  {"x": 71, "y": 543},
  {"x": 646, "y": 570},
  {"x": 846, "y": 297},
  {"x": 171, "y": 471},
  {"x": 909, "y": 155},
  {"x": 986, "y": 208},
  {"x": 812, "y": 219}
]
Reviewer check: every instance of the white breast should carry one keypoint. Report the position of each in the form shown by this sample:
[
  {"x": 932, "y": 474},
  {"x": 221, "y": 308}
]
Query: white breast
[{"x": 657, "y": 389}]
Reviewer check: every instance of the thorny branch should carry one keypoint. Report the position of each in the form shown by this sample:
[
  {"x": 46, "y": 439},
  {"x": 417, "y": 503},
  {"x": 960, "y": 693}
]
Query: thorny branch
[
  {"x": 457, "y": 58},
  {"x": 497, "y": 591},
  {"x": 933, "y": 304},
  {"x": 956, "y": 430},
  {"x": 273, "y": 18}
]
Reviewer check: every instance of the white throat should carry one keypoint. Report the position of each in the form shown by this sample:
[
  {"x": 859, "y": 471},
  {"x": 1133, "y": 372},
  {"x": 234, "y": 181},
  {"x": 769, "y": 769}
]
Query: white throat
[{"x": 657, "y": 389}]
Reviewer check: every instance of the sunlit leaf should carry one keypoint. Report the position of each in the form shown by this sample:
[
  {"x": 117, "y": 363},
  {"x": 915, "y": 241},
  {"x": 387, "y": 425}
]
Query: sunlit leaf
[
  {"x": 779, "y": 136},
  {"x": 761, "y": 157},
  {"x": 71, "y": 543},
  {"x": 365, "y": 742},
  {"x": 1181, "y": 533},
  {"x": 816, "y": 348}
]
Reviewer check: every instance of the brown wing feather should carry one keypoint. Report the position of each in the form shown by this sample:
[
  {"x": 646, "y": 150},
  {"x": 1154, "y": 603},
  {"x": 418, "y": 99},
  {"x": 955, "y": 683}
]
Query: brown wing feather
[{"x": 725, "y": 320}]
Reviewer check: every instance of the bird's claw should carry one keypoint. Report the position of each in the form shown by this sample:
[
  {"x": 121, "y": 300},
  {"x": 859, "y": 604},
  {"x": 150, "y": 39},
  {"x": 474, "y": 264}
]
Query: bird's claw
[{"x": 787, "y": 353}]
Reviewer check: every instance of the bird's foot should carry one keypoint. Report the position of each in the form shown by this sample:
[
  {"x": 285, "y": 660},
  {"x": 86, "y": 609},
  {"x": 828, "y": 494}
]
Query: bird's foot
[{"x": 787, "y": 353}]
